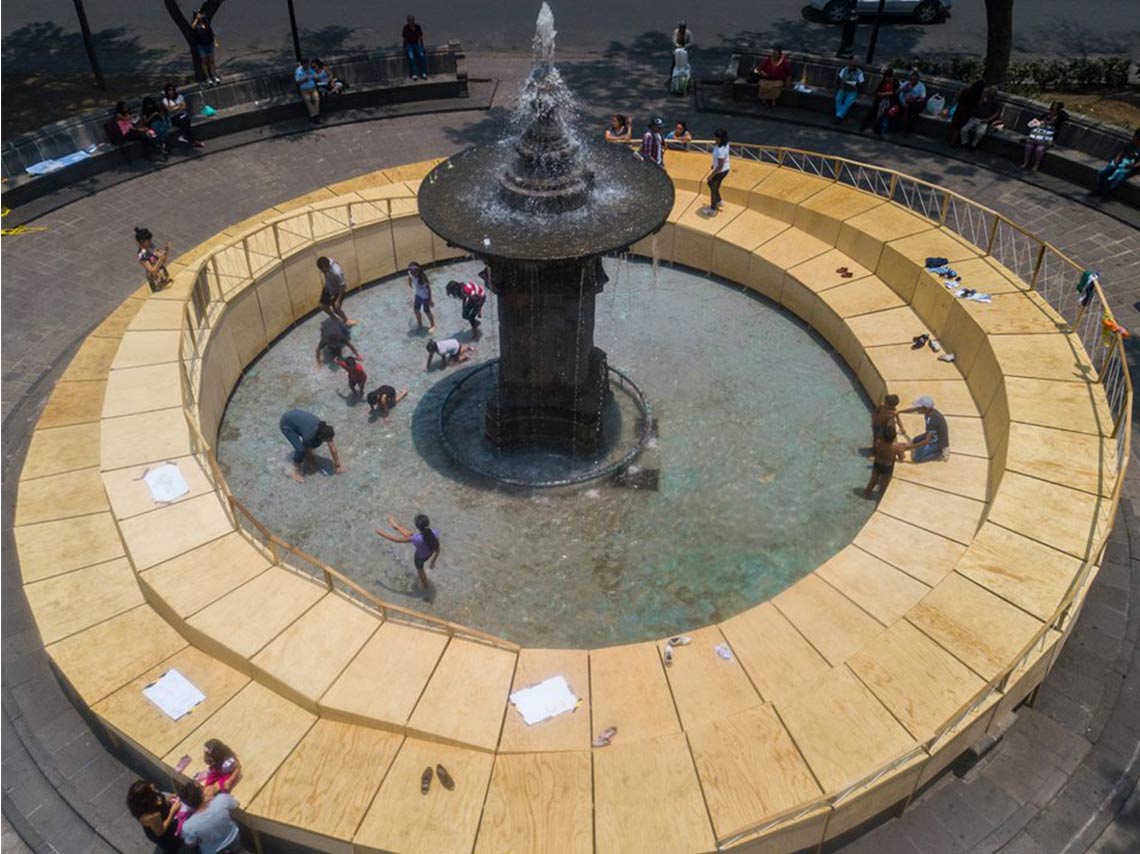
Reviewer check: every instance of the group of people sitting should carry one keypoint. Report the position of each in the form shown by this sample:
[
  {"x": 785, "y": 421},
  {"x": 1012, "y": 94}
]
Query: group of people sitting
[
  {"x": 200, "y": 816},
  {"x": 160, "y": 122}
]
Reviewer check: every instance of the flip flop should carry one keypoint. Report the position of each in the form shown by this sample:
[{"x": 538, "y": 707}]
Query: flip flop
[
  {"x": 605, "y": 737},
  {"x": 919, "y": 341},
  {"x": 444, "y": 778},
  {"x": 842, "y": 270},
  {"x": 668, "y": 654},
  {"x": 681, "y": 640},
  {"x": 425, "y": 781},
  {"x": 847, "y": 274}
]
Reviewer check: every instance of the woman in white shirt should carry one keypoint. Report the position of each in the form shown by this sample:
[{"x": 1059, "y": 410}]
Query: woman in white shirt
[
  {"x": 720, "y": 156},
  {"x": 174, "y": 105}
]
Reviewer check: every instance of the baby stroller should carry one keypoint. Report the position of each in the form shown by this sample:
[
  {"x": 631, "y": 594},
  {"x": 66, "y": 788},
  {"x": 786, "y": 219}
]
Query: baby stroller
[{"x": 681, "y": 80}]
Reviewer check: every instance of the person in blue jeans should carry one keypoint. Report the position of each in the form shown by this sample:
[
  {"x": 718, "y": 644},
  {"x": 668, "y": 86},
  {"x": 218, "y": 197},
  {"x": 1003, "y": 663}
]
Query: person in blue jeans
[
  {"x": 305, "y": 432},
  {"x": 414, "y": 49},
  {"x": 850, "y": 80},
  {"x": 1120, "y": 168},
  {"x": 934, "y": 442}
]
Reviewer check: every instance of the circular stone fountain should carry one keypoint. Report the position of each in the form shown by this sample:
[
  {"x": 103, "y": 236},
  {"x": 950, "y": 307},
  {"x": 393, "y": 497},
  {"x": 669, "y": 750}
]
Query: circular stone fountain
[{"x": 540, "y": 210}]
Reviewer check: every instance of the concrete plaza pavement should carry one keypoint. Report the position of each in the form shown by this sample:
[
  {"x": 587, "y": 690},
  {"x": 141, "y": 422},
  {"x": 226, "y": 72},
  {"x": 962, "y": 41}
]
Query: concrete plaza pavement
[{"x": 1063, "y": 778}]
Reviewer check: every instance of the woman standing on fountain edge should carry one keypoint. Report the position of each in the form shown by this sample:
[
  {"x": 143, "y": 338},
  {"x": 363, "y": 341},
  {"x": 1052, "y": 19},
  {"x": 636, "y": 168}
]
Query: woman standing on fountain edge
[{"x": 720, "y": 156}]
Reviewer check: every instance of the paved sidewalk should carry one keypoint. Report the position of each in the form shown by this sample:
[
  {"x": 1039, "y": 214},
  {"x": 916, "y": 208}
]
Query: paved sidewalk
[{"x": 1055, "y": 784}]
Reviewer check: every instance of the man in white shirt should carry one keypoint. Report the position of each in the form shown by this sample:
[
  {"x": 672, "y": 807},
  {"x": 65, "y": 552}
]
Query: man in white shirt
[{"x": 912, "y": 100}]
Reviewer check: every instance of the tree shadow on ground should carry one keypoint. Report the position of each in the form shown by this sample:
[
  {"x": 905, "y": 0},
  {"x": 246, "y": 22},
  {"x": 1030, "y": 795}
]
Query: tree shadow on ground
[
  {"x": 44, "y": 46},
  {"x": 331, "y": 41},
  {"x": 1069, "y": 36}
]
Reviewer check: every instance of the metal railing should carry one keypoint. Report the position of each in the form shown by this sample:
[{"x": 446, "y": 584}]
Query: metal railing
[{"x": 1042, "y": 268}]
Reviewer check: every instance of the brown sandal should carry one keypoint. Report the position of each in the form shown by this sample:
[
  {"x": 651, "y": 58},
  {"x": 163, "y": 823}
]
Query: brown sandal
[
  {"x": 444, "y": 777},
  {"x": 425, "y": 781}
]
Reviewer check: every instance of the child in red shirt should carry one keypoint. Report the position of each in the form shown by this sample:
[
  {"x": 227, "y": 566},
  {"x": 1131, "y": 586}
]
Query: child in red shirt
[{"x": 356, "y": 375}]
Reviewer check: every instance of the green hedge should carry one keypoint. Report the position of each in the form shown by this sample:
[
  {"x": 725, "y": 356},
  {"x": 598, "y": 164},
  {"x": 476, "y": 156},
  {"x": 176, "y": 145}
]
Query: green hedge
[{"x": 1034, "y": 75}]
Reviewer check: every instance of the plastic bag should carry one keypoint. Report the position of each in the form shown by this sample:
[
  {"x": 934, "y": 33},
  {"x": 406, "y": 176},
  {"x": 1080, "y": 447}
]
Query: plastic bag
[
  {"x": 208, "y": 111},
  {"x": 935, "y": 105}
]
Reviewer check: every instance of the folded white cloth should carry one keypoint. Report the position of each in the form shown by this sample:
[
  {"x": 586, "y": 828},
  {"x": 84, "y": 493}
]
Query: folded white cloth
[
  {"x": 547, "y": 699},
  {"x": 174, "y": 694},
  {"x": 166, "y": 483}
]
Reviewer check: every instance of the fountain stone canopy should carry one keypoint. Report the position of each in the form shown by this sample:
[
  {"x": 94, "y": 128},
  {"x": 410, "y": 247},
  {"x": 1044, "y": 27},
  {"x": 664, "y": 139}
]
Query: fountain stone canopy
[{"x": 540, "y": 208}]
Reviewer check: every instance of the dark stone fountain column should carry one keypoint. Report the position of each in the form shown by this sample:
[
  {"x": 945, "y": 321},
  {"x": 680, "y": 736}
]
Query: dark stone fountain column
[{"x": 552, "y": 380}]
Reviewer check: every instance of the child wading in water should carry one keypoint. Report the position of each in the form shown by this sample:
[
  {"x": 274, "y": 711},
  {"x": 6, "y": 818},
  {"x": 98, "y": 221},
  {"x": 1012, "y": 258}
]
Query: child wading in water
[
  {"x": 421, "y": 288},
  {"x": 356, "y": 375},
  {"x": 449, "y": 351},
  {"x": 886, "y": 413},
  {"x": 426, "y": 541},
  {"x": 886, "y": 452}
]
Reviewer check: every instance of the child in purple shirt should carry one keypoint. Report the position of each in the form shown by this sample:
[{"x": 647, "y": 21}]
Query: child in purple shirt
[{"x": 426, "y": 542}]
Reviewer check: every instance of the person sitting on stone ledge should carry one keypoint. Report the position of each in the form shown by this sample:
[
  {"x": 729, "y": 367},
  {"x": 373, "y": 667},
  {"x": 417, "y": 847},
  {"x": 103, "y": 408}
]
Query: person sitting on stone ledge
[
  {"x": 327, "y": 81},
  {"x": 879, "y": 114},
  {"x": 1125, "y": 164},
  {"x": 963, "y": 110},
  {"x": 1043, "y": 131},
  {"x": 911, "y": 101},
  {"x": 679, "y": 137},
  {"x": 771, "y": 76},
  {"x": 306, "y": 80},
  {"x": 987, "y": 115},
  {"x": 848, "y": 81}
]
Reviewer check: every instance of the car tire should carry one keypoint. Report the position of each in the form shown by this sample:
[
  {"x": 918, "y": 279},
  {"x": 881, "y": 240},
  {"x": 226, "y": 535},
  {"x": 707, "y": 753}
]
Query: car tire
[
  {"x": 836, "y": 12},
  {"x": 929, "y": 12}
]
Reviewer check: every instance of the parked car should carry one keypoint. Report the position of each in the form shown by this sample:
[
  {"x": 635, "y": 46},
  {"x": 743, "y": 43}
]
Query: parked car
[{"x": 924, "y": 11}]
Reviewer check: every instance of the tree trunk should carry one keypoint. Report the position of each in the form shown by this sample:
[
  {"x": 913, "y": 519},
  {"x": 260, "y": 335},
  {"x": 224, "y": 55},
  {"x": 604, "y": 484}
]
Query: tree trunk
[
  {"x": 999, "y": 40},
  {"x": 209, "y": 9}
]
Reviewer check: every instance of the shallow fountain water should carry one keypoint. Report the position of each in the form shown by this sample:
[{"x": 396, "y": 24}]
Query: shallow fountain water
[{"x": 745, "y": 486}]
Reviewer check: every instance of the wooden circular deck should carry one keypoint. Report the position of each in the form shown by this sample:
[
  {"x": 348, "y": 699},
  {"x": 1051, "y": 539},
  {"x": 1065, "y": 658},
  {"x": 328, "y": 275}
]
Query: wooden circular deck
[{"x": 846, "y": 693}]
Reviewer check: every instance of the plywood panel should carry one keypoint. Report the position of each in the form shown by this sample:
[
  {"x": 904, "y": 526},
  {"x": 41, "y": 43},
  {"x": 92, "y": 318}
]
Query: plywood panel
[
  {"x": 1050, "y": 357},
  {"x": 134, "y": 390},
  {"x": 130, "y": 496},
  {"x": 873, "y": 584},
  {"x": 61, "y": 450},
  {"x": 262, "y": 728},
  {"x": 950, "y": 516},
  {"x": 386, "y": 678},
  {"x": 780, "y": 194},
  {"x": 647, "y": 799},
  {"x": 960, "y": 474},
  {"x": 1076, "y": 460},
  {"x": 778, "y": 658},
  {"x": 823, "y": 720},
  {"x": 749, "y": 768},
  {"x": 329, "y": 780},
  {"x": 305, "y": 659},
  {"x": 1064, "y": 405},
  {"x": 822, "y": 215},
  {"x": 919, "y": 553},
  {"x": 539, "y": 803},
  {"x": 246, "y": 619},
  {"x": 412, "y": 240},
  {"x": 52, "y": 548},
  {"x": 1027, "y": 573},
  {"x": 169, "y": 531},
  {"x": 466, "y": 697},
  {"x": 244, "y": 323},
  {"x": 203, "y": 575},
  {"x": 871, "y": 295},
  {"x": 1015, "y": 313},
  {"x": 704, "y": 685},
  {"x": 106, "y": 656},
  {"x": 688, "y": 169},
  {"x": 628, "y": 690},
  {"x": 920, "y": 682},
  {"x": 981, "y": 630},
  {"x": 694, "y": 235},
  {"x": 92, "y": 361},
  {"x": 75, "y": 493},
  {"x": 570, "y": 731},
  {"x": 822, "y": 272},
  {"x": 73, "y": 403},
  {"x": 901, "y": 362},
  {"x": 1067, "y": 519},
  {"x": 403, "y": 821},
  {"x": 147, "y": 348},
  {"x": 273, "y": 298},
  {"x": 69, "y": 603},
  {"x": 888, "y": 792},
  {"x": 831, "y": 622},
  {"x": 771, "y": 259},
  {"x": 156, "y": 314},
  {"x": 131, "y": 713},
  {"x": 147, "y": 438},
  {"x": 951, "y": 396},
  {"x": 744, "y": 175},
  {"x": 862, "y": 237}
]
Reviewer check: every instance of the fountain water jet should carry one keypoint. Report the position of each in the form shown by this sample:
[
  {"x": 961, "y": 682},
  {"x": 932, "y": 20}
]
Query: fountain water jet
[{"x": 541, "y": 209}]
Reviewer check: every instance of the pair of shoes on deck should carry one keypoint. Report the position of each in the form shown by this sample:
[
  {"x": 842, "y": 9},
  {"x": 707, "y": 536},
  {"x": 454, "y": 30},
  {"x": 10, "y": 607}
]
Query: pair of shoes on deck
[{"x": 444, "y": 778}]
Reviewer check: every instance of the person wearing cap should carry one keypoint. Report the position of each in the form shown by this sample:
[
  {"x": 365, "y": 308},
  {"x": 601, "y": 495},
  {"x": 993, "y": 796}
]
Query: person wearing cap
[
  {"x": 653, "y": 143},
  {"x": 305, "y": 432},
  {"x": 934, "y": 442}
]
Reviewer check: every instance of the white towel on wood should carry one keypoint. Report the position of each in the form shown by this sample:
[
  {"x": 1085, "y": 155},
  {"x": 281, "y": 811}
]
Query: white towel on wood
[
  {"x": 174, "y": 694},
  {"x": 547, "y": 699}
]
